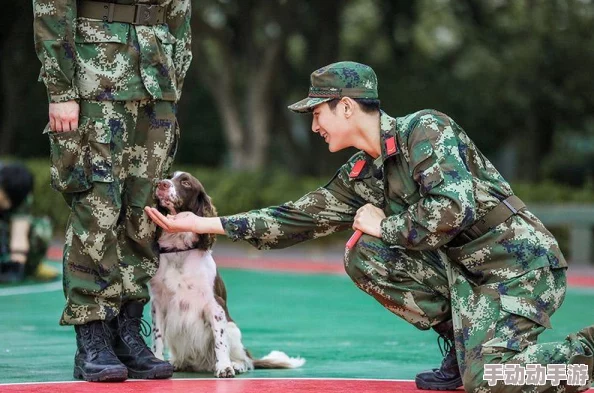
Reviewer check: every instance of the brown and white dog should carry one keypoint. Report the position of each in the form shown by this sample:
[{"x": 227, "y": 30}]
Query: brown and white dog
[{"x": 189, "y": 299}]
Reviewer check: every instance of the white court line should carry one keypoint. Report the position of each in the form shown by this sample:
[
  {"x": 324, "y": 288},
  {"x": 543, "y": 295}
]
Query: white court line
[
  {"x": 224, "y": 379},
  {"x": 27, "y": 289}
]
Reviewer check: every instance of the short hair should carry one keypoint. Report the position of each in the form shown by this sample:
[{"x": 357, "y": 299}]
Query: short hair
[{"x": 368, "y": 105}]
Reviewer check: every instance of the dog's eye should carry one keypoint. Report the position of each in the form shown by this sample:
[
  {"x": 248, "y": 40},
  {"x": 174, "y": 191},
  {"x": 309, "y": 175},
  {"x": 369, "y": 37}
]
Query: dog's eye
[{"x": 185, "y": 183}]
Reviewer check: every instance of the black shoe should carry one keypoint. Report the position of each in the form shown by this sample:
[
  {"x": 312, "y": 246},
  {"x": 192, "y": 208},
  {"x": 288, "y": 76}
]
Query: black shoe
[
  {"x": 12, "y": 272},
  {"x": 131, "y": 349},
  {"x": 95, "y": 360},
  {"x": 447, "y": 376}
]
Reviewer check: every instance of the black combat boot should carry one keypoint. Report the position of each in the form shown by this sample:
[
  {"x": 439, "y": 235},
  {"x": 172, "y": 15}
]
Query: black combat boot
[
  {"x": 95, "y": 360},
  {"x": 131, "y": 349},
  {"x": 447, "y": 376},
  {"x": 12, "y": 272}
]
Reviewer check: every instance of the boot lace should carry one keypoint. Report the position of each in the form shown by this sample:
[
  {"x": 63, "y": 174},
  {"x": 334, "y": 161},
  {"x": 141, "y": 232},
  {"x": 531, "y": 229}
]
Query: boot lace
[
  {"x": 445, "y": 345},
  {"x": 98, "y": 336},
  {"x": 135, "y": 328}
]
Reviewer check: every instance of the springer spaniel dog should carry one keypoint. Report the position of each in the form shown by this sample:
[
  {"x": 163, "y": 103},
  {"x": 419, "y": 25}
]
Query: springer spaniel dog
[{"x": 189, "y": 299}]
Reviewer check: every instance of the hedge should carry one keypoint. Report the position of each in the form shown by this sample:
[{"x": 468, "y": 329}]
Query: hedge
[{"x": 234, "y": 192}]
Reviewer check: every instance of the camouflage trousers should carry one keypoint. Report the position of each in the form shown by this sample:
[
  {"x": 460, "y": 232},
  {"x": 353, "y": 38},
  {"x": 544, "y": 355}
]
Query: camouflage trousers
[
  {"x": 40, "y": 236},
  {"x": 107, "y": 171},
  {"x": 495, "y": 323}
]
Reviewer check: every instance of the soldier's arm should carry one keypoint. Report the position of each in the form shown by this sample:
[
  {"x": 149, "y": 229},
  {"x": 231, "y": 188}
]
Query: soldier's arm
[
  {"x": 178, "y": 20},
  {"x": 447, "y": 199},
  {"x": 54, "y": 24},
  {"x": 319, "y": 213}
]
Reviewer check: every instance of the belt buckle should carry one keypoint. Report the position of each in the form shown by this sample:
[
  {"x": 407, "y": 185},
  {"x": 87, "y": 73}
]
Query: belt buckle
[{"x": 148, "y": 14}]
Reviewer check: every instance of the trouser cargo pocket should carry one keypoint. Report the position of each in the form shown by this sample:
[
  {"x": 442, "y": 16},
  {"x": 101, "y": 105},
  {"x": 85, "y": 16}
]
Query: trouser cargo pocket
[
  {"x": 100, "y": 149},
  {"x": 69, "y": 156}
]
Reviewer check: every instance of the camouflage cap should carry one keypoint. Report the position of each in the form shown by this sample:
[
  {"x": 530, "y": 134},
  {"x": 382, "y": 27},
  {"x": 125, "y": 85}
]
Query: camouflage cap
[{"x": 337, "y": 80}]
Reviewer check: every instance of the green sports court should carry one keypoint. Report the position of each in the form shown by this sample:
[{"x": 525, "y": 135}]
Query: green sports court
[{"x": 298, "y": 302}]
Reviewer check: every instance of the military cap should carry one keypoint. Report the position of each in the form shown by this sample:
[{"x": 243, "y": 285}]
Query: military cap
[{"x": 337, "y": 80}]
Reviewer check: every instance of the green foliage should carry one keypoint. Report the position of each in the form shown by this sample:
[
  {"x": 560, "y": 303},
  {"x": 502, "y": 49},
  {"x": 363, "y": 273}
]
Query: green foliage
[
  {"x": 553, "y": 193},
  {"x": 234, "y": 192}
]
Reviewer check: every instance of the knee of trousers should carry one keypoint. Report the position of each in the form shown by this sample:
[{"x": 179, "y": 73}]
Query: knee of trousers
[{"x": 356, "y": 259}]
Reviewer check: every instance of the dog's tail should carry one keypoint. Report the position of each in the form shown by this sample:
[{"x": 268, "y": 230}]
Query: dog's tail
[{"x": 278, "y": 359}]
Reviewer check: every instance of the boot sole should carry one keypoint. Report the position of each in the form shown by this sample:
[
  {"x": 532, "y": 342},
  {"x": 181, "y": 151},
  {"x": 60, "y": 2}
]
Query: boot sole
[
  {"x": 160, "y": 373},
  {"x": 107, "y": 375},
  {"x": 449, "y": 385}
]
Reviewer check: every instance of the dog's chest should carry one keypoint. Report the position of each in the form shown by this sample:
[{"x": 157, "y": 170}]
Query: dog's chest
[{"x": 185, "y": 281}]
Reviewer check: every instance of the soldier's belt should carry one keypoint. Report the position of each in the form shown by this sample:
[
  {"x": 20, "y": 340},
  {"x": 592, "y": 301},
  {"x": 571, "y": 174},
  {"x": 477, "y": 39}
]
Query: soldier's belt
[
  {"x": 139, "y": 14},
  {"x": 500, "y": 213}
]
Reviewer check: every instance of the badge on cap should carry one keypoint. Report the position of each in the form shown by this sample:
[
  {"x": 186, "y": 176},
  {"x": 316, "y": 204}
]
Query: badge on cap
[
  {"x": 391, "y": 147},
  {"x": 357, "y": 168}
]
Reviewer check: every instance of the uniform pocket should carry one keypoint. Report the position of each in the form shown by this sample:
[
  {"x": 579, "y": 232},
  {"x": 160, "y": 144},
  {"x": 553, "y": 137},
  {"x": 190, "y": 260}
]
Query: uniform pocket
[
  {"x": 519, "y": 320},
  {"x": 100, "y": 150},
  {"x": 430, "y": 178},
  {"x": 69, "y": 156}
]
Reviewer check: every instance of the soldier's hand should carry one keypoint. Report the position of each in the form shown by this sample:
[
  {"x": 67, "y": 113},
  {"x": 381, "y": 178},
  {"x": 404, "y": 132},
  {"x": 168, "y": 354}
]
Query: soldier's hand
[
  {"x": 368, "y": 220},
  {"x": 63, "y": 116},
  {"x": 185, "y": 222}
]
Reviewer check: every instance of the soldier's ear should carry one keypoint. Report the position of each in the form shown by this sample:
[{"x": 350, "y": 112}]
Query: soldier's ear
[{"x": 348, "y": 106}]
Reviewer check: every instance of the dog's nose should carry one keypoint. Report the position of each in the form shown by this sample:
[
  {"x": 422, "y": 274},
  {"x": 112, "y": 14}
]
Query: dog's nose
[{"x": 164, "y": 185}]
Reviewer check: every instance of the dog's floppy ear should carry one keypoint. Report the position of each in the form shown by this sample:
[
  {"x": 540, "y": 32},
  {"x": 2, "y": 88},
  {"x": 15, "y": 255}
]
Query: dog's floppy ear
[{"x": 203, "y": 207}]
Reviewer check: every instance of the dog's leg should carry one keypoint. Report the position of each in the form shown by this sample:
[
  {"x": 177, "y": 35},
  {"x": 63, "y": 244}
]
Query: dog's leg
[
  {"x": 158, "y": 329},
  {"x": 218, "y": 322},
  {"x": 239, "y": 358}
]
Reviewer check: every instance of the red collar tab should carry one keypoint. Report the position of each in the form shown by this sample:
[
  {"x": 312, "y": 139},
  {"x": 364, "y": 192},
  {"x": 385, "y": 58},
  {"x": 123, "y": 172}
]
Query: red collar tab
[
  {"x": 391, "y": 147},
  {"x": 357, "y": 168}
]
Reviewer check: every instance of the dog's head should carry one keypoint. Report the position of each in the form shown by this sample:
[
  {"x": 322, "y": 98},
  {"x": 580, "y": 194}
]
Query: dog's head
[{"x": 182, "y": 192}]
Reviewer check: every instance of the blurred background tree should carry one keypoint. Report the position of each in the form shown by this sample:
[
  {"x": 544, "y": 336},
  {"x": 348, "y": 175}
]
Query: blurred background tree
[{"x": 516, "y": 75}]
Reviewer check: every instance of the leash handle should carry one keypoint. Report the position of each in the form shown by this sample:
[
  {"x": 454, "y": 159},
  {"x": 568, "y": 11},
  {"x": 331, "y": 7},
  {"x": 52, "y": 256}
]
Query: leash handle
[{"x": 354, "y": 239}]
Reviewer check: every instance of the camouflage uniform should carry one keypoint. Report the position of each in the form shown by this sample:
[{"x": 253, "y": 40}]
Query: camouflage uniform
[
  {"x": 127, "y": 79},
  {"x": 432, "y": 182}
]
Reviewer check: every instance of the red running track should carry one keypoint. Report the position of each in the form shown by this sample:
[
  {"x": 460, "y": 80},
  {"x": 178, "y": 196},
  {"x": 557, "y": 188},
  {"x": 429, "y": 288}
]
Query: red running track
[{"x": 239, "y": 385}]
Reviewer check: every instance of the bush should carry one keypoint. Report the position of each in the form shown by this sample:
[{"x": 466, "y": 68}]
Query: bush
[{"x": 234, "y": 192}]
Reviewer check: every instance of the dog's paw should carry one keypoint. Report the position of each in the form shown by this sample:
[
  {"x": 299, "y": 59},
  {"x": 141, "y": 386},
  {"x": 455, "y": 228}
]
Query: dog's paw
[
  {"x": 240, "y": 367},
  {"x": 225, "y": 372}
]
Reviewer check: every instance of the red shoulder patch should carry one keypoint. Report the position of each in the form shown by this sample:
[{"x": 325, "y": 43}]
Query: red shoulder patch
[
  {"x": 357, "y": 168},
  {"x": 391, "y": 147}
]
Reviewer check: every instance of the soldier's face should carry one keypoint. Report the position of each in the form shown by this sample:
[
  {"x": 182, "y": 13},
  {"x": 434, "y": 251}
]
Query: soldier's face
[{"x": 332, "y": 125}]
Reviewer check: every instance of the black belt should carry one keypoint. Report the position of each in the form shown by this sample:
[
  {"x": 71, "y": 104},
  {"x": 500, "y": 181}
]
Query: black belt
[
  {"x": 139, "y": 14},
  {"x": 500, "y": 213}
]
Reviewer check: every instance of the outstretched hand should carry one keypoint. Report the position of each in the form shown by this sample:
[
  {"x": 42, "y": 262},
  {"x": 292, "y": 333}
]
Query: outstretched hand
[
  {"x": 185, "y": 222},
  {"x": 182, "y": 222}
]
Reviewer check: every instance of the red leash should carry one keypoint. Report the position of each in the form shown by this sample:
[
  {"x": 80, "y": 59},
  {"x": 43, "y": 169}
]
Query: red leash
[{"x": 354, "y": 239}]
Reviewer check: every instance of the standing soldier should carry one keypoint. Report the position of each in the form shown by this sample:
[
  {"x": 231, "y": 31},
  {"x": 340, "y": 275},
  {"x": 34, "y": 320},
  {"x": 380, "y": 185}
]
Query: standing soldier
[
  {"x": 114, "y": 72},
  {"x": 446, "y": 244}
]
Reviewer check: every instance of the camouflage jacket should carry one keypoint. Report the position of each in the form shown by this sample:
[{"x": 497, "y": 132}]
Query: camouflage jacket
[
  {"x": 432, "y": 182},
  {"x": 96, "y": 60}
]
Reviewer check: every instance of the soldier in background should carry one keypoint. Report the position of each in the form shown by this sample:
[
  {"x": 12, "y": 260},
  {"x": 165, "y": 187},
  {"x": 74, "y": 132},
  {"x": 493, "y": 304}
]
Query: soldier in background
[
  {"x": 114, "y": 72},
  {"x": 24, "y": 239},
  {"x": 446, "y": 244}
]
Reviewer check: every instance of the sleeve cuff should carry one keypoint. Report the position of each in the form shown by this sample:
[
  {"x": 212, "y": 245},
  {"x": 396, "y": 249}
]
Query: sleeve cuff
[
  {"x": 231, "y": 227},
  {"x": 389, "y": 230},
  {"x": 57, "y": 98}
]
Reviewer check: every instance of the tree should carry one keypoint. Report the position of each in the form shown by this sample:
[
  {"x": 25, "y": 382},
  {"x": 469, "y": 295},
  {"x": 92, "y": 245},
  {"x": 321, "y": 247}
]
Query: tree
[{"x": 239, "y": 47}]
